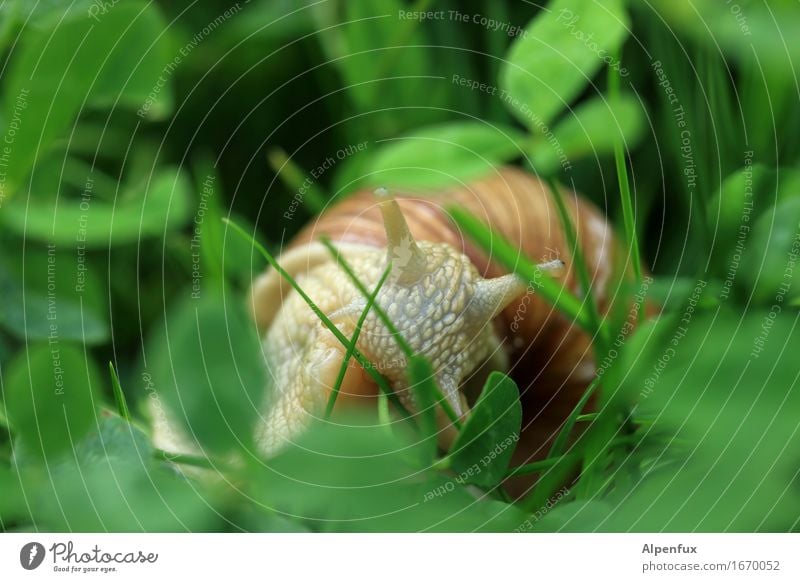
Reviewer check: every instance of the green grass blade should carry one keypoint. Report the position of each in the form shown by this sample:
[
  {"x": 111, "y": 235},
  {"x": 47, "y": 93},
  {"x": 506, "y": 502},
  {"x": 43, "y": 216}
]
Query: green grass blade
[
  {"x": 536, "y": 467},
  {"x": 580, "y": 266},
  {"x": 119, "y": 395},
  {"x": 398, "y": 337},
  {"x": 353, "y": 341},
  {"x": 624, "y": 185},
  {"x": 312, "y": 197}
]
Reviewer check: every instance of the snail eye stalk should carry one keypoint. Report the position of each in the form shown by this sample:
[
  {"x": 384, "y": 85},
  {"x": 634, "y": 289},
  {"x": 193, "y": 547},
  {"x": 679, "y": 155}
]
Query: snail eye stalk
[{"x": 408, "y": 260}]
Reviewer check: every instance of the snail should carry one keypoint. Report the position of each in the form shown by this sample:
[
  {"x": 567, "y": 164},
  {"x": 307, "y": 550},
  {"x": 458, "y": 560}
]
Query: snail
[{"x": 447, "y": 298}]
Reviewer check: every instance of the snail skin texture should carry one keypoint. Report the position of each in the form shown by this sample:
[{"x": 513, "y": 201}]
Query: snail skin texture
[{"x": 449, "y": 301}]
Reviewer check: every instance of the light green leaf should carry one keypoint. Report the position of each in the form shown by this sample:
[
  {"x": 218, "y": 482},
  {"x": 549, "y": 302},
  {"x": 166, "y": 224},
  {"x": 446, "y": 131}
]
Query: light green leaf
[
  {"x": 357, "y": 476},
  {"x": 445, "y": 154},
  {"x": 589, "y": 130},
  {"x": 558, "y": 54},
  {"x": 151, "y": 207},
  {"x": 770, "y": 261}
]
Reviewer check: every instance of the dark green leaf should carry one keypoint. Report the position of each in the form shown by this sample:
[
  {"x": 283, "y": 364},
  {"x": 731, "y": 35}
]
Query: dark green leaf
[{"x": 47, "y": 287}]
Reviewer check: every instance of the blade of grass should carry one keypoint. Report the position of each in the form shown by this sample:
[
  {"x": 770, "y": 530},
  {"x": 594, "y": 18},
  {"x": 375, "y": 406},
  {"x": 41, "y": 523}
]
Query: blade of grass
[
  {"x": 313, "y": 198},
  {"x": 379, "y": 379},
  {"x": 119, "y": 395},
  {"x": 580, "y": 267},
  {"x": 628, "y": 217},
  {"x": 602, "y": 430},
  {"x": 405, "y": 347},
  {"x": 510, "y": 257},
  {"x": 398, "y": 337},
  {"x": 561, "y": 465},
  {"x": 353, "y": 341}
]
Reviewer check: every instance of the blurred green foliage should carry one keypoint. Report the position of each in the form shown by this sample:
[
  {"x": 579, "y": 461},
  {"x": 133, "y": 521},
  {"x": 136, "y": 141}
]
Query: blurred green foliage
[{"x": 131, "y": 129}]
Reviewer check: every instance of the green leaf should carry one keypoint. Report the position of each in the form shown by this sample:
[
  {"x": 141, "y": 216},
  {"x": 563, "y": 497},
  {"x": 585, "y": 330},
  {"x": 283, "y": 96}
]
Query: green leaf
[
  {"x": 422, "y": 382},
  {"x": 445, "y": 154},
  {"x": 59, "y": 69},
  {"x": 558, "y": 54},
  {"x": 46, "y": 288},
  {"x": 483, "y": 449},
  {"x": 114, "y": 437},
  {"x": 723, "y": 389},
  {"x": 383, "y": 60},
  {"x": 157, "y": 204},
  {"x": 770, "y": 259},
  {"x": 12, "y": 501},
  {"x": 208, "y": 365},
  {"x": 356, "y": 476},
  {"x": 50, "y": 395},
  {"x": 589, "y": 130},
  {"x": 567, "y": 517}
]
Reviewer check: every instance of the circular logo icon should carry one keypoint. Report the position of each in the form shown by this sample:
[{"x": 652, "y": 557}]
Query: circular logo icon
[{"x": 31, "y": 555}]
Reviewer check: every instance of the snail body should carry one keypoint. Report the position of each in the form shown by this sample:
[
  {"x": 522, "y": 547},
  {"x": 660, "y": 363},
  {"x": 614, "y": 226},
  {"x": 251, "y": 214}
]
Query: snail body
[{"x": 448, "y": 300}]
